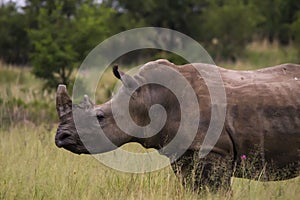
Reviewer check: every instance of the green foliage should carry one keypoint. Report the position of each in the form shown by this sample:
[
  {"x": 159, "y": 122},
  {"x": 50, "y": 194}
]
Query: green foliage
[
  {"x": 54, "y": 36},
  {"x": 229, "y": 28},
  {"x": 296, "y": 33},
  {"x": 64, "y": 37},
  {"x": 92, "y": 26},
  {"x": 53, "y": 57},
  {"x": 296, "y": 28},
  {"x": 14, "y": 43},
  {"x": 184, "y": 16},
  {"x": 224, "y": 27},
  {"x": 279, "y": 15}
]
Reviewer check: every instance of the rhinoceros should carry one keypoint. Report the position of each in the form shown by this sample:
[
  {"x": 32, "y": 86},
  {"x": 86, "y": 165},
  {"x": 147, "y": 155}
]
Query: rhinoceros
[{"x": 260, "y": 137}]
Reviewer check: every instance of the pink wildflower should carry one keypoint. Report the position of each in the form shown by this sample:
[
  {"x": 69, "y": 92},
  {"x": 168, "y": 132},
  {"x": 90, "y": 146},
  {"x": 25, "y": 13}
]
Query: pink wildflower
[{"x": 243, "y": 157}]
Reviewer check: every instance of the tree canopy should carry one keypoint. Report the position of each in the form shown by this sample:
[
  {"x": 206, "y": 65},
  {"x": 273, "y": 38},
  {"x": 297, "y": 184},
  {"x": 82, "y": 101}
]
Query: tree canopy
[{"x": 54, "y": 36}]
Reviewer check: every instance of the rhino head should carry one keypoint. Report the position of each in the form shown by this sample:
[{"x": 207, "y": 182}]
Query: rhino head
[
  {"x": 144, "y": 110},
  {"x": 86, "y": 128}
]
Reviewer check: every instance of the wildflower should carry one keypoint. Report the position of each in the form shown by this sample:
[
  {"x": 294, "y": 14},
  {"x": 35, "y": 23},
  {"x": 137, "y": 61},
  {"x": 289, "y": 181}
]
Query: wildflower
[{"x": 243, "y": 157}]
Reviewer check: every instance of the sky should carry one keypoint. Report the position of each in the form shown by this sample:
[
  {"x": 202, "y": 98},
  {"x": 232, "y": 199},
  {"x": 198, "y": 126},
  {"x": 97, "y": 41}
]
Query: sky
[
  {"x": 19, "y": 2},
  {"x": 22, "y": 2}
]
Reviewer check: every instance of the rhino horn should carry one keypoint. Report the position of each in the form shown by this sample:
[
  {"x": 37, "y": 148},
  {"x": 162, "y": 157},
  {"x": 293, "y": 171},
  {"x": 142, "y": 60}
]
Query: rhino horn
[{"x": 63, "y": 101}]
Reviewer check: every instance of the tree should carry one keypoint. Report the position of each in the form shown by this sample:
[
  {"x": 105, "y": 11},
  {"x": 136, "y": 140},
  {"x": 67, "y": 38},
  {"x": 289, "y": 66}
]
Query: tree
[
  {"x": 63, "y": 37},
  {"x": 14, "y": 43},
  {"x": 230, "y": 25},
  {"x": 183, "y": 16},
  {"x": 295, "y": 27},
  {"x": 94, "y": 23},
  {"x": 279, "y": 15},
  {"x": 53, "y": 58}
]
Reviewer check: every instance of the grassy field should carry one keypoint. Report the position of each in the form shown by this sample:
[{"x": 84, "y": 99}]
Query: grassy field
[{"x": 32, "y": 167}]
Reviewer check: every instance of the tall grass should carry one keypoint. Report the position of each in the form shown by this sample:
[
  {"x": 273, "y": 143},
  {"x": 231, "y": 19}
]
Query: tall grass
[
  {"x": 32, "y": 167},
  {"x": 261, "y": 54},
  {"x": 22, "y": 98}
]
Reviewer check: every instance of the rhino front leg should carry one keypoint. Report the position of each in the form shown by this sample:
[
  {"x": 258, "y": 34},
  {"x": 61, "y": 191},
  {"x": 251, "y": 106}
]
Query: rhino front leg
[{"x": 213, "y": 173}]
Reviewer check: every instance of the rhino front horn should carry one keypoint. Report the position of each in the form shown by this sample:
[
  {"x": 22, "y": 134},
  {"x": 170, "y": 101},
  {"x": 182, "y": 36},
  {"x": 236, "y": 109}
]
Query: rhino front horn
[{"x": 63, "y": 101}]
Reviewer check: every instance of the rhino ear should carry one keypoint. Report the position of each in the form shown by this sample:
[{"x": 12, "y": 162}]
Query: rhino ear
[
  {"x": 88, "y": 103},
  {"x": 116, "y": 72},
  {"x": 126, "y": 79}
]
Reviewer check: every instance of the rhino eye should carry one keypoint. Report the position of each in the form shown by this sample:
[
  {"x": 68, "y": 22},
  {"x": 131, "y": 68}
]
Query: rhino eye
[{"x": 100, "y": 117}]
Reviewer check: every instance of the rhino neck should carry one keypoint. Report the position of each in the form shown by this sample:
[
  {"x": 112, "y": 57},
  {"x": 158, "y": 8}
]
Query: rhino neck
[{"x": 157, "y": 138}]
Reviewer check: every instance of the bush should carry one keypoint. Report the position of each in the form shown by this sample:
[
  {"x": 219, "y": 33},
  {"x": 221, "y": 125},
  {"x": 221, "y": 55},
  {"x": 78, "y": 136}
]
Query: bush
[
  {"x": 296, "y": 34},
  {"x": 14, "y": 42},
  {"x": 229, "y": 28}
]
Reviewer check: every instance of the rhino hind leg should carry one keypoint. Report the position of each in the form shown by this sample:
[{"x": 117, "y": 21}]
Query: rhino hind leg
[{"x": 213, "y": 173}]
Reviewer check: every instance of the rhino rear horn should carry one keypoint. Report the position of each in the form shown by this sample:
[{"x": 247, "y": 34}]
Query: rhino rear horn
[{"x": 63, "y": 101}]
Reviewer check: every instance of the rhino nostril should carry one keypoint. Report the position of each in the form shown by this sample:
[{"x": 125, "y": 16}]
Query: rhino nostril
[
  {"x": 62, "y": 139},
  {"x": 63, "y": 136}
]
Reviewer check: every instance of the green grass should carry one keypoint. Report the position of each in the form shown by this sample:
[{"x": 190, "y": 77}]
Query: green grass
[
  {"x": 262, "y": 54},
  {"x": 32, "y": 167},
  {"x": 22, "y": 98}
]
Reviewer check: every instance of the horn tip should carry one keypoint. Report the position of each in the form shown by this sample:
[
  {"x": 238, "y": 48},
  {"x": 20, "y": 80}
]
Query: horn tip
[
  {"x": 61, "y": 88},
  {"x": 116, "y": 71}
]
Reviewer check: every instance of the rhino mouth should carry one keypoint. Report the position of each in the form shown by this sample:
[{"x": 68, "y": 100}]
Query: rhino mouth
[
  {"x": 65, "y": 141},
  {"x": 74, "y": 147}
]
